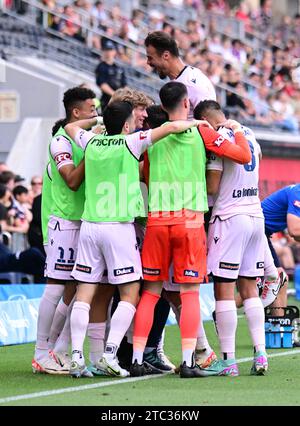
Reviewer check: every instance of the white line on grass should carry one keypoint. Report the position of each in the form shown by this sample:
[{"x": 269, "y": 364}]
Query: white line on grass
[{"x": 115, "y": 382}]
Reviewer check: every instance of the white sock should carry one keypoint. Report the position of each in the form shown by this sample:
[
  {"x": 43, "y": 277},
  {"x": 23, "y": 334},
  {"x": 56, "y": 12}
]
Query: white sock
[
  {"x": 202, "y": 343},
  {"x": 96, "y": 333},
  {"x": 79, "y": 323},
  {"x": 226, "y": 315},
  {"x": 187, "y": 357},
  {"x": 57, "y": 323},
  {"x": 50, "y": 299},
  {"x": 108, "y": 319},
  {"x": 119, "y": 324},
  {"x": 64, "y": 339},
  {"x": 255, "y": 315},
  {"x": 129, "y": 333},
  {"x": 160, "y": 346}
]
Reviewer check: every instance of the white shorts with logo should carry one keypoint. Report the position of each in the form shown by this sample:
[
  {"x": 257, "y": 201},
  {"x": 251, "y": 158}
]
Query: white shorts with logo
[
  {"x": 107, "y": 247},
  {"x": 61, "y": 253},
  {"x": 236, "y": 247}
]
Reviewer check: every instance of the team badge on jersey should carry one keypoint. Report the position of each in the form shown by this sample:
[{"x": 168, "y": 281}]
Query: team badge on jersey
[
  {"x": 143, "y": 135},
  {"x": 219, "y": 141},
  {"x": 60, "y": 158}
]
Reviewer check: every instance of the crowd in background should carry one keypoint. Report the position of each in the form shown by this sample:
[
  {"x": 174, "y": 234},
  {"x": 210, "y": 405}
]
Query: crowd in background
[
  {"x": 265, "y": 79},
  {"x": 20, "y": 218}
]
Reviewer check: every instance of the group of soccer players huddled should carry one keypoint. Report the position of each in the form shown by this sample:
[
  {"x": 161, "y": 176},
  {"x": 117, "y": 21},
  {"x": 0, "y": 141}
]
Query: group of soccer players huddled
[{"x": 139, "y": 207}]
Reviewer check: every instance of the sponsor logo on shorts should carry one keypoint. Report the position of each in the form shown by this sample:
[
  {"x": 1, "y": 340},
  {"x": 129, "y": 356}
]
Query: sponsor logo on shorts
[
  {"x": 123, "y": 271},
  {"x": 63, "y": 267},
  {"x": 190, "y": 273},
  {"x": 230, "y": 266},
  {"x": 150, "y": 271},
  {"x": 83, "y": 268},
  {"x": 260, "y": 265}
]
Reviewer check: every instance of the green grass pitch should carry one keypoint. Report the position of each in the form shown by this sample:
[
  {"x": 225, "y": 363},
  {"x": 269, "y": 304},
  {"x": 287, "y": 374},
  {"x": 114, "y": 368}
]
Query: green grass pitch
[{"x": 281, "y": 386}]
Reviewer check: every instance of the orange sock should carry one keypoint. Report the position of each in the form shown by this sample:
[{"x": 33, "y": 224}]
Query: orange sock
[
  {"x": 189, "y": 323},
  {"x": 189, "y": 319},
  {"x": 143, "y": 323}
]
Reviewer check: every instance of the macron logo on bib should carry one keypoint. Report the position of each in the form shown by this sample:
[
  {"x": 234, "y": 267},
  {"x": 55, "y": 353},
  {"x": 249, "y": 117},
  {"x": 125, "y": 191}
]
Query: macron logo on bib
[{"x": 123, "y": 271}]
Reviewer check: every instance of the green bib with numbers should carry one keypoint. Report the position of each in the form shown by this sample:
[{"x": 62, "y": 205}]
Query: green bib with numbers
[
  {"x": 177, "y": 173},
  {"x": 67, "y": 204},
  {"x": 112, "y": 191}
]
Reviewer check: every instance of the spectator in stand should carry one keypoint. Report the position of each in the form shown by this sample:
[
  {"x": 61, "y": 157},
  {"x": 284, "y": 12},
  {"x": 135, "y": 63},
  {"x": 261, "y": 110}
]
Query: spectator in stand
[
  {"x": 134, "y": 26},
  {"x": 99, "y": 15},
  {"x": 35, "y": 237},
  {"x": 71, "y": 26},
  {"x": 266, "y": 14},
  {"x": 109, "y": 75},
  {"x": 30, "y": 261},
  {"x": 7, "y": 178},
  {"x": 238, "y": 51},
  {"x": 243, "y": 14},
  {"x": 13, "y": 221},
  {"x": 286, "y": 112},
  {"x": 3, "y": 167},
  {"x": 36, "y": 185},
  {"x": 217, "y": 6},
  {"x": 21, "y": 195}
]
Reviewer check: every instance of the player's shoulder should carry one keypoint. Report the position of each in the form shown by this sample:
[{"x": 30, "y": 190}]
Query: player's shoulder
[
  {"x": 293, "y": 189},
  {"x": 191, "y": 75},
  {"x": 59, "y": 139},
  {"x": 248, "y": 132}
]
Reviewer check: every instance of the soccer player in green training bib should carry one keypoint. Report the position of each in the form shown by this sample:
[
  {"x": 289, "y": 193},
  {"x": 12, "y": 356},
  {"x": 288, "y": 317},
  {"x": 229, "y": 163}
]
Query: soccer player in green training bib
[
  {"x": 65, "y": 196},
  {"x": 107, "y": 237}
]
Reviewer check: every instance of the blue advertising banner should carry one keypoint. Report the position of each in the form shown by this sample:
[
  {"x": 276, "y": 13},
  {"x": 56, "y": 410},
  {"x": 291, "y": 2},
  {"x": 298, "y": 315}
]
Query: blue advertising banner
[
  {"x": 207, "y": 304},
  {"x": 19, "y": 304},
  {"x": 18, "y": 321},
  {"x": 21, "y": 291}
]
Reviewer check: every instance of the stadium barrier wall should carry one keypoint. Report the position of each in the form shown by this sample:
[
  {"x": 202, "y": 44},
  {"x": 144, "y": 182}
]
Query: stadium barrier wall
[{"x": 19, "y": 305}]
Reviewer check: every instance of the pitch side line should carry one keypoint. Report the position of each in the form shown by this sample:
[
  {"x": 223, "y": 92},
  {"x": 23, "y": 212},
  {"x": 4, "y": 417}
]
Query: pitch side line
[{"x": 114, "y": 382}]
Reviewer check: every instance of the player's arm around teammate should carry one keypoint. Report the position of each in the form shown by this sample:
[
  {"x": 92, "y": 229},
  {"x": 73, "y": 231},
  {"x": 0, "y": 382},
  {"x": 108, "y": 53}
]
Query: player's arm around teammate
[
  {"x": 236, "y": 243},
  {"x": 67, "y": 199},
  {"x": 105, "y": 232}
]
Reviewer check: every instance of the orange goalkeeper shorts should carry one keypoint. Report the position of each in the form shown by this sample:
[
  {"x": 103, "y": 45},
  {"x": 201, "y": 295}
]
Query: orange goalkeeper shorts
[{"x": 184, "y": 246}]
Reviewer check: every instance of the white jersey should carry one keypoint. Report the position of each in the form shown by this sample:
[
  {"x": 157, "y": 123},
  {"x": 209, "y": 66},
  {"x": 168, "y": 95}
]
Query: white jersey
[
  {"x": 62, "y": 154},
  {"x": 61, "y": 151},
  {"x": 238, "y": 189},
  {"x": 199, "y": 86}
]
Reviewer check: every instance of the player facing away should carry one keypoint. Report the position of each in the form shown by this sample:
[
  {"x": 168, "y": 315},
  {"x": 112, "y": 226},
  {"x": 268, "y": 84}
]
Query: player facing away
[
  {"x": 107, "y": 237},
  {"x": 163, "y": 56},
  {"x": 67, "y": 195},
  {"x": 236, "y": 244},
  {"x": 175, "y": 231}
]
